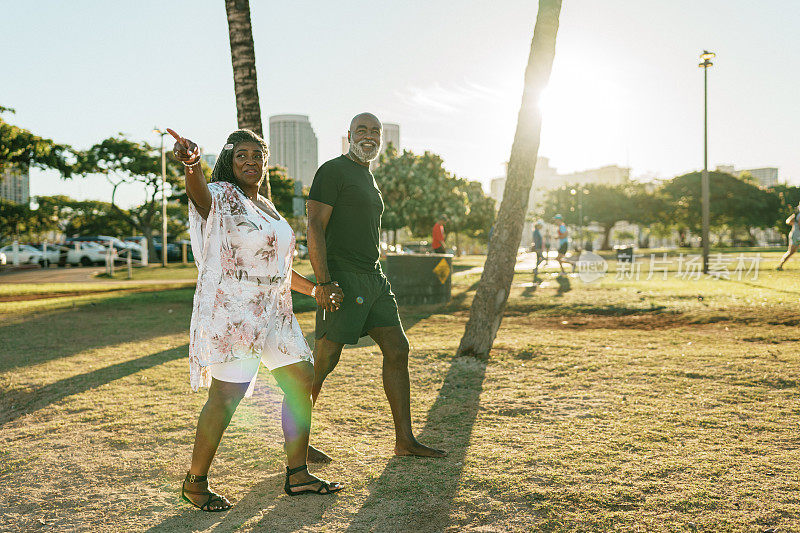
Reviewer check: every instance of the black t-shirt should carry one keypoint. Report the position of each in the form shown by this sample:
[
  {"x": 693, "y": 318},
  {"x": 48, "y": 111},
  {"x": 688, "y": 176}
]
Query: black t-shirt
[{"x": 352, "y": 236}]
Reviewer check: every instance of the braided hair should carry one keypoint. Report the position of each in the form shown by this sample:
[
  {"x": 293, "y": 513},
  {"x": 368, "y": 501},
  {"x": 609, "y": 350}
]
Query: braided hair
[{"x": 223, "y": 168}]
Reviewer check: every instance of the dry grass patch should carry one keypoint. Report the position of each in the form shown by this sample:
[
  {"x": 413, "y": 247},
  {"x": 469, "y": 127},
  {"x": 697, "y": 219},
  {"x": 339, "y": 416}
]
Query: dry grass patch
[{"x": 600, "y": 408}]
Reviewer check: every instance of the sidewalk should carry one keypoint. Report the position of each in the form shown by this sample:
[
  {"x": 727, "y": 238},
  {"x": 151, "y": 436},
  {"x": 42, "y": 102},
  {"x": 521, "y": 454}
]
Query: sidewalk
[{"x": 78, "y": 275}]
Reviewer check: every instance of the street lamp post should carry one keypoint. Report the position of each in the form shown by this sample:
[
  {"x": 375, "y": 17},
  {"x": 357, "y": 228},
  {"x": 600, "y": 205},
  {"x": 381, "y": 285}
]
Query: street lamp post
[
  {"x": 163, "y": 198},
  {"x": 706, "y": 56},
  {"x": 580, "y": 194}
]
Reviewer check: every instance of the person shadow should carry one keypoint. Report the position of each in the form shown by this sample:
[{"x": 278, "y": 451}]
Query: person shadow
[{"x": 564, "y": 285}]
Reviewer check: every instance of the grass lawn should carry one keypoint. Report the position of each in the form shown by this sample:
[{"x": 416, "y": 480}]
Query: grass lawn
[{"x": 660, "y": 405}]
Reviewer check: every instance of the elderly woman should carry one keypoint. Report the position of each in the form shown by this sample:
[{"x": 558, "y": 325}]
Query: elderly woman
[{"x": 242, "y": 314}]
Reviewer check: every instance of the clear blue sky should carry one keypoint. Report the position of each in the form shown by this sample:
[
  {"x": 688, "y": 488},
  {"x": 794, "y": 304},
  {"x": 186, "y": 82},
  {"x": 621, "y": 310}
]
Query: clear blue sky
[{"x": 625, "y": 89}]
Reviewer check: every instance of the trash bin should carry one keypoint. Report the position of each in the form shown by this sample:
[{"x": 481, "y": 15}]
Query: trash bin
[
  {"x": 624, "y": 253},
  {"x": 419, "y": 279}
]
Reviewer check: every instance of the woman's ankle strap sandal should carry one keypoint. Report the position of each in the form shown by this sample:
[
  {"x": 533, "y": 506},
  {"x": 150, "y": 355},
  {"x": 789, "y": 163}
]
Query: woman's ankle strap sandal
[
  {"x": 211, "y": 496},
  {"x": 324, "y": 486}
]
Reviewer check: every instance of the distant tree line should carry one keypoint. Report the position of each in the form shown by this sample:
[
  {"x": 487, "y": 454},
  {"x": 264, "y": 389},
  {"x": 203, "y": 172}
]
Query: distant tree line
[
  {"x": 738, "y": 205},
  {"x": 122, "y": 161}
]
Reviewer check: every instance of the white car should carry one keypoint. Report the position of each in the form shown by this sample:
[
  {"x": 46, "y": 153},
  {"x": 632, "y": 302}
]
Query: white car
[
  {"x": 87, "y": 254},
  {"x": 51, "y": 253},
  {"x": 25, "y": 254}
]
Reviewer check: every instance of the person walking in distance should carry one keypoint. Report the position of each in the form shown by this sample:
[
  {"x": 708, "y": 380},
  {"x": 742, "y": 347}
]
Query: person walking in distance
[
  {"x": 344, "y": 220},
  {"x": 794, "y": 236},
  {"x": 437, "y": 235},
  {"x": 538, "y": 247},
  {"x": 563, "y": 242}
]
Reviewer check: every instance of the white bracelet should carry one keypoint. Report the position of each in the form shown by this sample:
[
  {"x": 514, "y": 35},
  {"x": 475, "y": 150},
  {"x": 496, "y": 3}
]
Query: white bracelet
[
  {"x": 314, "y": 291},
  {"x": 190, "y": 164}
]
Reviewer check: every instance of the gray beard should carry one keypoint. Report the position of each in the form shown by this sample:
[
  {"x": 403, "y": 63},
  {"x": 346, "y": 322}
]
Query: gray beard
[{"x": 362, "y": 155}]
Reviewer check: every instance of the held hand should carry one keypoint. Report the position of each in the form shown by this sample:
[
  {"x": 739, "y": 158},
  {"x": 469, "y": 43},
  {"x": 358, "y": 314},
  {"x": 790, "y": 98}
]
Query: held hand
[
  {"x": 184, "y": 150},
  {"x": 329, "y": 297}
]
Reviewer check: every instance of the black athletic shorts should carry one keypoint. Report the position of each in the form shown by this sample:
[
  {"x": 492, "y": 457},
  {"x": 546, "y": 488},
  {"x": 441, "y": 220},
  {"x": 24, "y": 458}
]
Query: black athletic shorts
[{"x": 368, "y": 303}]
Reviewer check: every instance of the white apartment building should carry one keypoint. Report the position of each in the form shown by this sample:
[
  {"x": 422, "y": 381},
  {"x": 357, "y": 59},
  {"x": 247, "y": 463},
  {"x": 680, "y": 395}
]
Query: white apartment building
[
  {"x": 765, "y": 176},
  {"x": 293, "y": 145},
  {"x": 15, "y": 184}
]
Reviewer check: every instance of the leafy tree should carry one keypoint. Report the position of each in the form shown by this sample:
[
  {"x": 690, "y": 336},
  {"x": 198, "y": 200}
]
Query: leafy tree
[
  {"x": 123, "y": 161},
  {"x": 243, "y": 60},
  {"x": 22, "y": 148},
  {"x": 282, "y": 187},
  {"x": 735, "y": 204},
  {"x": 417, "y": 189},
  {"x": 481, "y": 211},
  {"x": 394, "y": 178},
  {"x": 14, "y": 219},
  {"x": 432, "y": 192},
  {"x": 84, "y": 217},
  {"x": 788, "y": 198}
]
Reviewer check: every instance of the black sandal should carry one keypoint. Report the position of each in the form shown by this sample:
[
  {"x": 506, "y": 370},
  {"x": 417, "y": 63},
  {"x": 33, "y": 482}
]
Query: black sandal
[
  {"x": 213, "y": 497},
  {"x": 324, "y": 488}
]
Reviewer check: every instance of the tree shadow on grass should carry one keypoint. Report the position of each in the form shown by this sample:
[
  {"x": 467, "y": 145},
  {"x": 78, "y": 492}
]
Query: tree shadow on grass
[
  {"x": 416, "y": 494},
  {"x": 92, "y": 325},
  {"x": 760, "y": 286},
  {"x": 16, "y": 403}
]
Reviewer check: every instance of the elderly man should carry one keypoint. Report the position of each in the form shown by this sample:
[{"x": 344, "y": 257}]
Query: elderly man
[{"x": 344, "y": 221}]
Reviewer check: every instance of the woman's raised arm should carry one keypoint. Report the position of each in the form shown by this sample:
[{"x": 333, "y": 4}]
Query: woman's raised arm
[{"x": 188, "y": 153}]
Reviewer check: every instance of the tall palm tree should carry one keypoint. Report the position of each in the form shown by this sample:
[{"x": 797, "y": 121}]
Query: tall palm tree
[
  {"x": 492, "y": 292},
  {"x": 245, "y": 83}
]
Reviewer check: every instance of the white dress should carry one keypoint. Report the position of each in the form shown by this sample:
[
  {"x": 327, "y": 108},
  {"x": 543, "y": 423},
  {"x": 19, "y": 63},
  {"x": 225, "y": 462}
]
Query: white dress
[{"x": 242, "y": 305}]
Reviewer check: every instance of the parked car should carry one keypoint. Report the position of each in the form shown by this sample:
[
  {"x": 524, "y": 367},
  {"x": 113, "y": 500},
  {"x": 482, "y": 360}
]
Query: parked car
[
  {"x": 173, "y": 252},
  {"x": 49, "y": 253},
  {"x": 87, "y": 254},
  {"x": 105, "y": 240},
  {"x": 24, "y": 254}
]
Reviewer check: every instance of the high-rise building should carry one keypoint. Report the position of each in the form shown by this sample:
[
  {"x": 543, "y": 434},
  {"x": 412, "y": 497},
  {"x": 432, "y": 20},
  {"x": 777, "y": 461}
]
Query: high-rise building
[
  {"x": 210, "y": 159},
  {"x": 765, "y": 177},
  {"x": 293, "y": 145},
  {"x": 391, "y": 134},
  {"x": 15, "y": 184}
]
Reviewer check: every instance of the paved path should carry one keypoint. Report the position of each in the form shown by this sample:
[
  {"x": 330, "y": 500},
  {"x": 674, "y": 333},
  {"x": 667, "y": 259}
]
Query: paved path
[
  {"x": 525, "y": 261},
  {"x": 77, "y": 275},
  {"x": 53, "y": 275}
]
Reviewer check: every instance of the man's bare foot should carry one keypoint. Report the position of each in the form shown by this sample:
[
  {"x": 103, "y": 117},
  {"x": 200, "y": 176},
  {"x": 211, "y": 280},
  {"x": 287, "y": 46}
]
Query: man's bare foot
[
  {"x": 317, "y": 456},
  {"x": 418, "y": 450}
]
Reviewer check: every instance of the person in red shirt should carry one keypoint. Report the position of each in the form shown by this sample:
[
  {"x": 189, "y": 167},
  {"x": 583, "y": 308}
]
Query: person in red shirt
[{"x": 437, "y": 235}]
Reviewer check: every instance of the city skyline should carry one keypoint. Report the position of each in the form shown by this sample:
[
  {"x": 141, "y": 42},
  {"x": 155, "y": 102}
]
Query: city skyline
[{"x": 625, "y": 88}]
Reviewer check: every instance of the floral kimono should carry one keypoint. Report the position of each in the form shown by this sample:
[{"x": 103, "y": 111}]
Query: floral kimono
[{"x": 242, "y": 305}]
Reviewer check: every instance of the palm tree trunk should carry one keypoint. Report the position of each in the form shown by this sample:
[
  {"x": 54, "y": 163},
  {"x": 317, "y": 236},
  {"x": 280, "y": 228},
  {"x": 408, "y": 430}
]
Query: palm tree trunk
[
  {"x": 492, "y": 293},
  {"x": 243, "y": 58}
]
